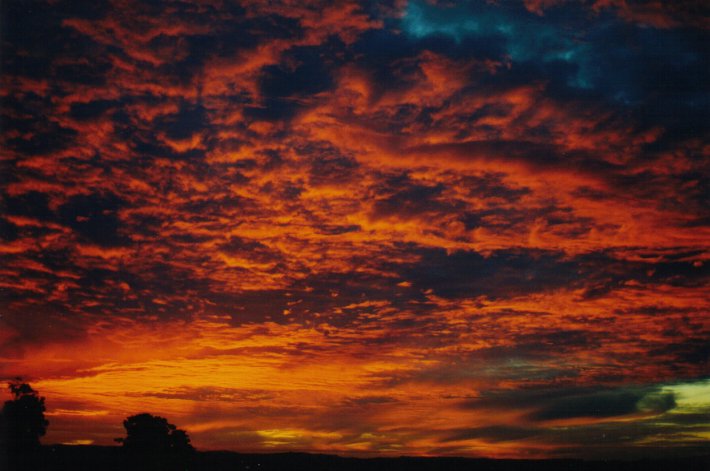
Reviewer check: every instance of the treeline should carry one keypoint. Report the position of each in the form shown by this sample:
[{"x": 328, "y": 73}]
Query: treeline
[{"x": 151, "y": 442}]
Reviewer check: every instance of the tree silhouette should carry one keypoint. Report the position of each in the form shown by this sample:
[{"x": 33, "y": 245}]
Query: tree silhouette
[
  {"x": 22, "y": 423},
  {"x": 154, "y": 443},
  {"x": 146, "y": 432},
  {"x": 23, "y": 419}
]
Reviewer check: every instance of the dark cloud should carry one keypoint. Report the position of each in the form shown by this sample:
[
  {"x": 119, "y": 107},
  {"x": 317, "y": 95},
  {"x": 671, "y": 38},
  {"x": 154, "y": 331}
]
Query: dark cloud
[
  {"x": 601, "y": 404},
  {"x": 492, "y": 186},
  {"x": 574, "y": 402},
  {"x": 47, "y": 137},
  {"x": 32, "y": 204},
  {"x": 302, "y": 73},
  {"x": 290, "y": 85},
  {"x": 91, "y": 110},
  {"x": 408, "y": 200},
  {"x": 694, "y": 350},
  {"x": 331, "y": 169},
  {"x": 95, "y": 217},
  {"x": 8, "y": 231},
  {"x": 504, "y": 273},
  {"x": 188, "y": 121}
]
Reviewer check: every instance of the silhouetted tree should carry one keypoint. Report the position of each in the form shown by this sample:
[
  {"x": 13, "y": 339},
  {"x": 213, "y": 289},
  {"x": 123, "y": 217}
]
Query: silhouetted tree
[
  {"x": 22, "y": 423},
  {"x": 151, "y": 432},
  {"x": 23, "y": 417},
  {"x": 155, "y": 443}
]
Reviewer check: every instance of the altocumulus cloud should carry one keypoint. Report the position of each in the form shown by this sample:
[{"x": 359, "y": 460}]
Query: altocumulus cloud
[{"x": 379, "y": 227}]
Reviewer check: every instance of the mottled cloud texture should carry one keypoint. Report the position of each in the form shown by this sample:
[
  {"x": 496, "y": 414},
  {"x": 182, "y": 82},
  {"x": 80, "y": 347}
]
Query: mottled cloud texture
[{"x": 446, "y": 228}]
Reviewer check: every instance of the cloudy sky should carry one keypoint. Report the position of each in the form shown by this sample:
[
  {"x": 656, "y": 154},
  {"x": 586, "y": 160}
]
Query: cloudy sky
[{"x": 475, "y": 228}]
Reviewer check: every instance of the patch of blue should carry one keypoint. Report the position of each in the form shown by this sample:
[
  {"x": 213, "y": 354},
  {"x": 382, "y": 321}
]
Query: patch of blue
[
  {"x": 601, "y": 53},
  {"x": 526, "y": 36}
]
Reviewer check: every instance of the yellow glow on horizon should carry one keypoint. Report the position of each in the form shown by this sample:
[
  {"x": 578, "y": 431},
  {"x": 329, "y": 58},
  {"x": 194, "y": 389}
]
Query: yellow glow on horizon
[{"x": 79, "y": 441}]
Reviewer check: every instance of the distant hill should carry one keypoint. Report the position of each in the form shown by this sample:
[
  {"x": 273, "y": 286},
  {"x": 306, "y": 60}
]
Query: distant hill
[{"x": 110, "y": 458}]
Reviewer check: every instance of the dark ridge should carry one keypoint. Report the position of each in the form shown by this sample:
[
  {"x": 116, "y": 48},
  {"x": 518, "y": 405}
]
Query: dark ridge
[{"x": 111, "y": 458}]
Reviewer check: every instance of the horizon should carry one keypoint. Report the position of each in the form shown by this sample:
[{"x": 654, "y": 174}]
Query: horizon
[
  {"x": 700, "y": 457},
  {"x": 359, "y": 228}
]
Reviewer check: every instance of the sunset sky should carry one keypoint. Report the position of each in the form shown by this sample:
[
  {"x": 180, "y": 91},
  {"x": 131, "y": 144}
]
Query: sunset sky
[{"x": 475, "y": 228}]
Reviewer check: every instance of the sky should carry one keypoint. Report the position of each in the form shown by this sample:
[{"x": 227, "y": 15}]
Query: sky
[{"x": 475, "y": 228}]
